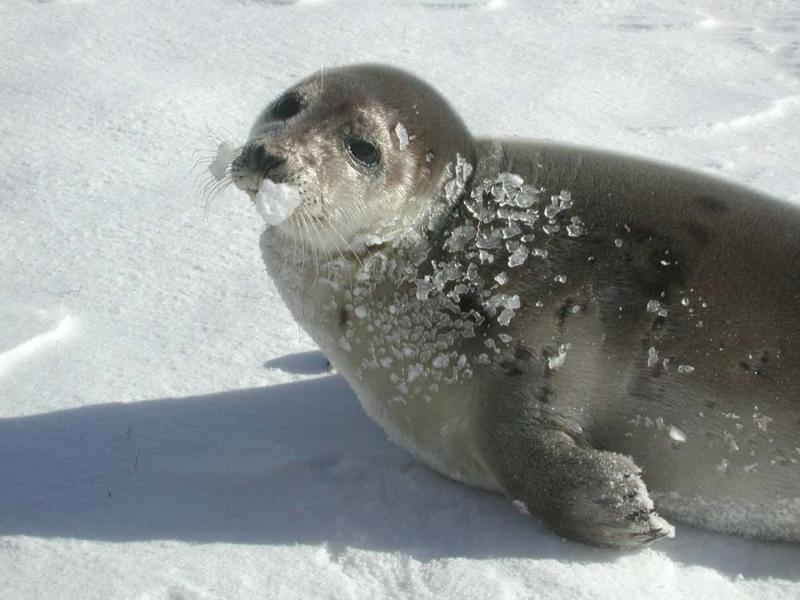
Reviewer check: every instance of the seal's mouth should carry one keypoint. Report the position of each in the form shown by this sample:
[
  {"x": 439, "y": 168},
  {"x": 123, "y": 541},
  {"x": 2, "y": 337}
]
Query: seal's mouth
[
  {"x": 275, "y": 202},
  {"x": 253, "y": 165}
]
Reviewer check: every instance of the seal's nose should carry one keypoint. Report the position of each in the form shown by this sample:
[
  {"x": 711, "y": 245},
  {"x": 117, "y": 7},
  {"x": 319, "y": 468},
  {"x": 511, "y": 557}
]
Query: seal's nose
[
  {"x": 263, "y": 162},
  {"x": 252, "y": 165},
  {"x": 257, "y": 159}
]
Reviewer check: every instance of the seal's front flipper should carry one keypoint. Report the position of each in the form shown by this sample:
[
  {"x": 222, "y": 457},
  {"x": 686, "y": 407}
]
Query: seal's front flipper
[{"x": 587, "y": 495}]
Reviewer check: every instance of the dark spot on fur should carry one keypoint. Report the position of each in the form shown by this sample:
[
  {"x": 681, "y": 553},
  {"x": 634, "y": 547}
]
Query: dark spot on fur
[
  {"x": 545, "y": 394},
  {"x": 711, "y": 204},
  {"x": 517, "y": 363},
  {"x": 342, "y": 317},
  {"x": 469, "y": 302},
  {"x": 522, "y": 352},
  {"x": 658, "y": 323},
  {"x": 510, "y": 367},
  {"x": 748, "y": 367},
  {"x": 647, "y": 253},
  {"x": 700, "y": 234},
  {"x": 563, "y": 311}
]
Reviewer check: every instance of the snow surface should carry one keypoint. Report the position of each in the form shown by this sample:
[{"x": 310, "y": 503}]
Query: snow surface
[{"x": 167, "y": 431}]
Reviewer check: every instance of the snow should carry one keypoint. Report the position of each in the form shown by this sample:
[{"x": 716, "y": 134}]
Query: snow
[
  {"x": 275, "y": 202},
  {"x": 167, "y": 431}
]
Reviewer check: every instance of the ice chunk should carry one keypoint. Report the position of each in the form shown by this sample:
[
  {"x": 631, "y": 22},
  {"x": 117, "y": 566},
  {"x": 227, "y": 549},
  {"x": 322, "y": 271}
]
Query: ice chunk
[
  {"x": 276, "y": 201},
  {"x": 652, "y": 357},
  {"x": 556, "y": 362},
  {"x": 513, "y": 230},
  {"x": 446, "y": 272},
  {"x": 505, "y": 317},
  {"x": 459, "y": 237},
  {"x": 518, "y": 256},
  {"x": 676, "y": 434},
  {"x": 509, "y": 179},
  {"x": 402, "y": 135},
  {"x": 424, "y": 288},
  {"x": 576, "y": 227},
  {"x": 527, "y": 196},
  {"x": 510, "y": 301},
  {"x": 459, "y": 175},
  {"x": 488, "y": 240},
  {"x": 441, "y": 361}
]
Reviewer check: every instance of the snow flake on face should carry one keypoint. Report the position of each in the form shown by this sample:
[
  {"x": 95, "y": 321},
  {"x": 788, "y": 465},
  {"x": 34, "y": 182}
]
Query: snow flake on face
[
  {"x": 576, "y": 227},
  {"x": 676, "y": 434},
  {"x": 458, "y": 176},
  {"x": 402, "y": 136},
  {"x": 557, "y": 361},
  {"x": 761, "y": 420},
  {"x": 652, "y": 357}
]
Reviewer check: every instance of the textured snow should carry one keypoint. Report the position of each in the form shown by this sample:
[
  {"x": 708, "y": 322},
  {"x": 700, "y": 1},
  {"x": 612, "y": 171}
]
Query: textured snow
[{"x": 166, "y": 431}]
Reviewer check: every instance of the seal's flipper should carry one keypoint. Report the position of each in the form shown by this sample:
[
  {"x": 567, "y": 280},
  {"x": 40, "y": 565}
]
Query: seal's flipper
[{"x": 587, "y": 495}]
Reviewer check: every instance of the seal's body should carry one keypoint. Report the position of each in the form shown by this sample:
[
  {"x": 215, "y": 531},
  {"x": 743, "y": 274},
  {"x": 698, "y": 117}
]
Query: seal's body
[{"x": 539, "y": 319}]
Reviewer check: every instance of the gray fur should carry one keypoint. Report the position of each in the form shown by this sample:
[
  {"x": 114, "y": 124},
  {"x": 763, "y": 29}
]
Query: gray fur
[{"x": 660, "y": 345}]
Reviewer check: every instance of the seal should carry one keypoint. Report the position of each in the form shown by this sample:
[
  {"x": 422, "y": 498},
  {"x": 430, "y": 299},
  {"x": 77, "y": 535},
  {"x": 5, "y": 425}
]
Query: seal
[{"x": 591, "y": 334}]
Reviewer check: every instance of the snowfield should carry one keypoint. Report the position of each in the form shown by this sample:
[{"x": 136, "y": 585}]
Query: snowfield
[{"x": 167, "y": 431}]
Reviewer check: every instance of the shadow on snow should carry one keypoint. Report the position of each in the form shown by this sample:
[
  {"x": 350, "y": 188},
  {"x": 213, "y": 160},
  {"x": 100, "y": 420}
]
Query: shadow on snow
[{"x": 297, "y": 463}]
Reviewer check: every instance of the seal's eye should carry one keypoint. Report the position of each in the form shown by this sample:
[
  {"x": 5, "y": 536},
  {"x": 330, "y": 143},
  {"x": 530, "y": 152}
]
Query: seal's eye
[
  {"x": 287, "y": 107},
  {"x": 364, "y": 152}
]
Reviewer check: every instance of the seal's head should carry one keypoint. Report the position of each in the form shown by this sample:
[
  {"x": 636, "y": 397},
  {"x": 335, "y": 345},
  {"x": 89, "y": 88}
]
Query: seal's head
[{"x": 367, "y": 146}]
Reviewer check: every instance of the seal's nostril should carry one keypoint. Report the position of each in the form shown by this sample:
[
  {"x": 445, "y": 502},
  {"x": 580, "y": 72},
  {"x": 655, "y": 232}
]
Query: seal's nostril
[{"x": 263, "y": 162}]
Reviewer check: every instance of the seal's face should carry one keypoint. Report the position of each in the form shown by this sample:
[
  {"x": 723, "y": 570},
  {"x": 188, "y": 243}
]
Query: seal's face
[{"x": 366, "y": 146}]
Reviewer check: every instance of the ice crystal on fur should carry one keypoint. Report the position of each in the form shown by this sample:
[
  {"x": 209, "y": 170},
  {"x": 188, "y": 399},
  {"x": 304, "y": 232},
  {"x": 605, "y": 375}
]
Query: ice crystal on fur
[{"x": 402, "y": 136}]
